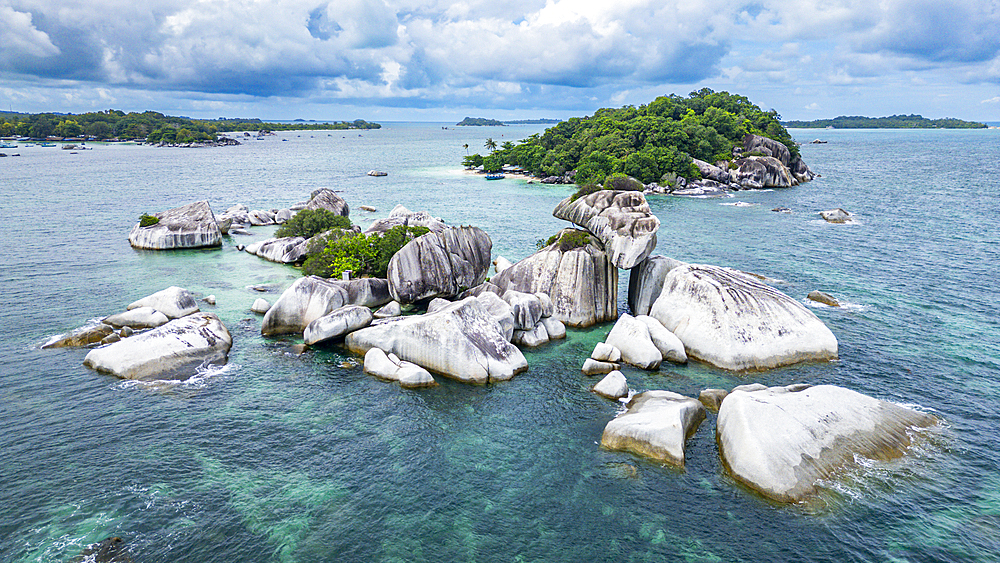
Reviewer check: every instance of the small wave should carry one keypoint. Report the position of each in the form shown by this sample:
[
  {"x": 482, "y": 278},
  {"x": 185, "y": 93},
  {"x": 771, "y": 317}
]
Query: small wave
[
  {"x": 844, "y": 306},
  {"x": 740, "y": 204},
  {"x": 199, "y": 380}
]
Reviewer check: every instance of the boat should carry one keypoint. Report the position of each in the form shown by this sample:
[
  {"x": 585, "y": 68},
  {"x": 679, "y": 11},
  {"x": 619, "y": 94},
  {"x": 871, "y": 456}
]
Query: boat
[
  {"x": 377, "y": 173},
  {"x": 8, "y": 145},
  {"x": 496, "y": 176},
  {"x": 46, "y": 144}
]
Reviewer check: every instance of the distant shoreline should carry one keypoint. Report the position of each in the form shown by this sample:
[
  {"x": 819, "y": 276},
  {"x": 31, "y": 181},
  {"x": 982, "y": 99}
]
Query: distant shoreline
[{"x": 892, "y": 122}]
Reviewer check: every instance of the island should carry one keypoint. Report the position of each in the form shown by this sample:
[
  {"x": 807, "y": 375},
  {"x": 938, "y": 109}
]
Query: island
[
  {"x": 912, "y": 121},
  {"x": 148, "y": 126},
  {"x": 543, "y": 121},
  {"x": 479, "y": 122}
]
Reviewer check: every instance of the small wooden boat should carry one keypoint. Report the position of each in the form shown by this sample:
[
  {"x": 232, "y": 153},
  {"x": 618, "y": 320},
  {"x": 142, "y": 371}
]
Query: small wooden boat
[{"x": 494, "y": 176}]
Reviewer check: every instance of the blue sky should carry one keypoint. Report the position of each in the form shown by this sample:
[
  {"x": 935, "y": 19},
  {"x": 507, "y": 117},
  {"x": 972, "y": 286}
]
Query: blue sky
[{"x": 443, "y": 60}]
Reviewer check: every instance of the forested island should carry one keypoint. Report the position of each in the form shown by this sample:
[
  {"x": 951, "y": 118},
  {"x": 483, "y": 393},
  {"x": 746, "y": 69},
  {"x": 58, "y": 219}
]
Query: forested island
[
  {"x": 651, "y": 143},
  {"x": 543, "y": 121},
  {"x": 149, "y": 126},
  {"x": 479, "y": 122},
  {"x": 892, "y": 122}
]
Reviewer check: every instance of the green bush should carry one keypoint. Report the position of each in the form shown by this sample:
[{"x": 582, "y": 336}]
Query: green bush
[
  {"x": 310, "y": 222},
  {"x": 362, "y": 255},
  {"x": 621, "y": 182},
  {"x": 585, "y": 190},
  {"x": 573, "y": 239},
  {"x": 146, "y": 220}
]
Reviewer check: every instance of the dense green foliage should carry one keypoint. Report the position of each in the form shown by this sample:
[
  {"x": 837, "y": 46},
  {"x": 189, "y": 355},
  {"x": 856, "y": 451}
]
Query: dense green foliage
[
  {"x": 362, "y": 255},
  {"x": 147, "y": 220},
  {"x": 646, "y": 142},
  {"x": 543, "y": 121},
  {"x": 149, "y": 125},
  {"x": 310, "y": 222},
  {"x": 480, "y": 121},
  {"x": 568, "y": 240},
  {"x": 892, "y": 122}
]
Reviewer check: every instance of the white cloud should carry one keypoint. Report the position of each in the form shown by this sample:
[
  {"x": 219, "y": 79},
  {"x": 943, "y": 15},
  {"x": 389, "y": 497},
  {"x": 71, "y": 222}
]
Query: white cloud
[{"x": 993, "y": 100}]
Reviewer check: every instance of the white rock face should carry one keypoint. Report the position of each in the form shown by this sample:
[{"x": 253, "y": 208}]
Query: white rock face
[
  {"x": 140, "y": 317},
  {"x": 441, "y": 264},
  {"x": 734, "y": 321},
  {"x": 462, "y": 341},
  {"x": 656, "y": 425},
  {"x": 412, "y": 376},
  {"x": 526, "y": 307},
  {"x": 172, "y": 351},
  {"x": 287, "y": 250},
  {"x": 261, "y": 217},
  {"x": 500, "y": 311},
  {"x": 604, "y": 352},
  {"x": 632, "y": 338},
  {"x": 670, "y": 347},
  {"x": 174, "y": 302},
  {"x": 780, "y": 441},
  {"x": 189, "y": 226},
  {"x": 312, "y": 297},
  {"x": 260, "y": 306},
  {"x": 645, "y": 282},
  {"x": 437, "y": 304},
  {"x": 390, "y": 309},
  {"x": 555, "y": 328},
  {"x": 337, "y": 323},
  {"x": 613, "y": 386},
  {"x": 596, "y": 367},
  {"x": 837, "y": 215},
  {"x": 379, "y": 364},
  {"x": 621, "y": 220},
  {"x": 531, "y": 338},
  {"x": 581, "y": 283},
  {"x": 501, "y": 264}
]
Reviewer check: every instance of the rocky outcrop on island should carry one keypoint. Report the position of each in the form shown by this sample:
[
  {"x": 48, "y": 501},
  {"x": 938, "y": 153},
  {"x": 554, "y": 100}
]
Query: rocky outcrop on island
[
  {"x": 188, "y": 226},
  {"x": 758, "y": 172},
  {"x": 439, "y": 264},
  {"x": 312, "y": 297},
  {"x": 286, "y": 250},
  {"x": 781, "y": 441},
  {"x": 581, "y": 282},
  {"x": 325, "y": 198},
  {"x": 173, "y": 351},
  {"x": 734, "y": 321},
  {"x": 401, "y": 216},
  {"x": 462, "y": 341},
  {"x": 656, "y": 425},
  {"x": 621, "y": 220}
]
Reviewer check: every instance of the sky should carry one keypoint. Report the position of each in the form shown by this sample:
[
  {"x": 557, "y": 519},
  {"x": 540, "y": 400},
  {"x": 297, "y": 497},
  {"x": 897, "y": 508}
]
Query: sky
[{"x": 442, "y": 60}]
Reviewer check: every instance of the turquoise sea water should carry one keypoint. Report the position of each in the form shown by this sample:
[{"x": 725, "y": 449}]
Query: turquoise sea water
[{"x": 279, "y": 457}]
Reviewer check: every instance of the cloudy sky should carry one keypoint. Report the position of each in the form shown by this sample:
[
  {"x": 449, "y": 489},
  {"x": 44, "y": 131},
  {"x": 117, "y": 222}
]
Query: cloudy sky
[{"x": 443, "y": 59}]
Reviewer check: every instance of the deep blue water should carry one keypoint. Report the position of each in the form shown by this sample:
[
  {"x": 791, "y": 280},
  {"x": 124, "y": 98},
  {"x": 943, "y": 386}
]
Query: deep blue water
[{"x": 280, "y": 457}]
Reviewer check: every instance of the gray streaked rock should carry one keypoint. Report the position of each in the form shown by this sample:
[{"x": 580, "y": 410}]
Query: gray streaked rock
[
  {"x": 140, "y": 317},
  {"x": 526, "y": 307},
  {"x": 174, "y": 302},
  {"x": 656, "y": 425},
  {"x": 734, "y": 321},
  {"x": 500, "y": 311},
  {"x": 712, "y": 172},
  {"x": 312, "y": 297},
  {"x": 767, "y": 147},
  {"x": 325, "y": 198},
  {"x": 781, "y": 441},
  {"x": 286, "y": 250},
  {"x": 758, "y": 172},
  {"x": 401, "y": 216},
  {"x": 337, "y": 323},
  {"x": 261, "y": 217},
  {"x": 189, "y": 226},
  {"x": 83, "y": 336},
  {"x": 621, "y": 220},
  {"x": 531, "y": 338},
  {"x": 441, "y": 264},
  {"x": 173, "y": 351},
  {"x": 645, "y": 281}
]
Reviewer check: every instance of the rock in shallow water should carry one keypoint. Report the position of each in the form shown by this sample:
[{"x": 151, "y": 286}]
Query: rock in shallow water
[
  {"x": 174, "y": 302},
  {"x": 632, "y": 338},
  {"x": 613, "y": 386},
  {"x": 173, "y": 351},
  {"x": 656, "y": 425},
  {"x": 620, "y": 219},
  {"x": 83, "y": 336},
  {"x": 311, "y": 297},
  {"x": 337, "y": 323},
  {"x": 188, "y": 226},
  {"x": 441, "y": 264},
  {"x": 780, "y": 441},
  {"x": 140, "y": 317},
  {"x": 732, "y": 320}
]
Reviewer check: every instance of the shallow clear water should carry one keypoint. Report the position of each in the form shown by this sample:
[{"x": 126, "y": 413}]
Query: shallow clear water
[{"x": 280, "y": 457}]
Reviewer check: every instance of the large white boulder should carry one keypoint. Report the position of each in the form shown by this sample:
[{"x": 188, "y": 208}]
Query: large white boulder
[
  {"x": 325, "y": 198},
  {"x": 401, "y": 216},
  {"x": 286, "y": 250},
  {"x": 632, "y": 338},
  {"x": 531, "y": 338},
  {"x": 174, "y": 302},
  {"x": 613, "y": 386},
  {"x": 656, "y": 425},
  {"x": 337, "y": 323},
  {"x": 462, "y": 341},
  {"x": 140, "y": 317},
  {"x": 670, "y": 347},
  {"x": 581, "y": 282},
  {"x": 312, "y": 297},
  {"x": 780, "y": 441},
  {"x": 620, "y": 219},
  {"x": 189, "y": 226},
  {"x": 734, "y": 321},
  {"x": 173, "y": 351},
  {"x": 441, "y": 264}
]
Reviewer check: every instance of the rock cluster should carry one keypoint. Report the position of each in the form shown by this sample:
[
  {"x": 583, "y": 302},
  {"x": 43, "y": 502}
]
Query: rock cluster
[{"x": 622, "y": 222}]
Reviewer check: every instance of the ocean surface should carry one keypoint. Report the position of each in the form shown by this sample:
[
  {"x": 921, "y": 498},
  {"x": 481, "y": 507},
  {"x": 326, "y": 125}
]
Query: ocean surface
[{"x": 302, "y": 458}]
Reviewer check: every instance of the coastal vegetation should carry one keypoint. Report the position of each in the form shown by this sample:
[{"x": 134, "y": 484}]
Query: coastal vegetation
[
  {"x": 150, "y": 126},
  {"x": 363, "y": 255},
  {"x": 892, "y": 122},
  {"x": 480, "y": 122},
  {"x": 147, "y": 220},
  {"x": 311, "y": 222},
  {"x": 650, "y": 143}
]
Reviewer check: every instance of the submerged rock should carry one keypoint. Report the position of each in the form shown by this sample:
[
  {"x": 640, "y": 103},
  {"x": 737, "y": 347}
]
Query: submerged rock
[
  {"x": 189, "y": 226},
  {"x": 174, "y": 302},
  {"x": 780, "y": 441},
  {"x": 734, "y": 321},
  {"x": 462, "y": 341},
  {"x": 656, "y": 425},
  {"x": 621, "y": 220},
  {"x": 173, "y": 351},
  {"x": 824, "y": 298},
  {"x": 581, "y": 282},
  {"x": 837, "y": 215},
  {"x": 441, "y": 264},
  {"x": 83, "y": 336}
]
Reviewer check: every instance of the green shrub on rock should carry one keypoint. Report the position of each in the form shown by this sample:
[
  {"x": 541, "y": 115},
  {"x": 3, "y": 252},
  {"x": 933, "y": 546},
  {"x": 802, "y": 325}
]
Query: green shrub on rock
[
  {"x": 573, "y": 239},
  {"x": 363, "y": 255},
  {"x": 621, "y": 182},
  {"x": 310, "y": 222},
  {"x": 146, "y": 220}
]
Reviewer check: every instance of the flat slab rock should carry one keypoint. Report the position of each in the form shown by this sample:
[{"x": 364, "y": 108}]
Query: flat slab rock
[
  {"x": 173, "y": 351},
  {"x": 780, "y": 441},
  {"x": 174, "y": 302},
  {"x": 656, "y": 425},
  {"x": 734, "y": 321},
  {"x": 622, "y": 221},
  {"x": 189, "y": 226}
]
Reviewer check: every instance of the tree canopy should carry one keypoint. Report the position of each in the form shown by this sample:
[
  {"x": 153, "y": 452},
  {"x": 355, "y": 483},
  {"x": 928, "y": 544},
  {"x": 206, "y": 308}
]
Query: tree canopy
[{"x": 646, "y": 142}]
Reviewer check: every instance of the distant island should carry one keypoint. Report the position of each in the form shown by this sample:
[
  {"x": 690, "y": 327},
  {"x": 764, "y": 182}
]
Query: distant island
[
  {"x": 479, "y": 122},
  {"x": 149, "y": 126},
  {"x": 482, "y": 121},
  {"x": 891, "y": 122}
]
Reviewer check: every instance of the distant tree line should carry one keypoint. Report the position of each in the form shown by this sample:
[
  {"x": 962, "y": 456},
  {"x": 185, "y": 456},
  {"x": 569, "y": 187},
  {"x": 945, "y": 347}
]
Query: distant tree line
[
  {"x": 650, "y": 142},
  {"x": 480, "y": 121},
  {"x": 149, "y": 126},
  {"x": 892, "y": 122}
]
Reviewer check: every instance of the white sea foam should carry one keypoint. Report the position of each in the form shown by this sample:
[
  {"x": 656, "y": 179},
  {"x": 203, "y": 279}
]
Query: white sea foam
[
  {"x": 200, "y": 380},
  {"x": 740, "y": 204}
]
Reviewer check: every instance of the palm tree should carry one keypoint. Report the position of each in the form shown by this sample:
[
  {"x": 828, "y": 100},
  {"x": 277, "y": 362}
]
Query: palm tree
[
  {"x": 466, "y": 147},
  {"x": 491, "y": 144}
]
